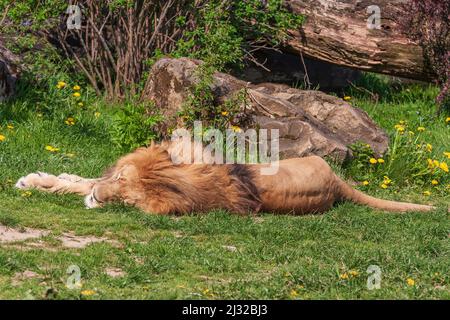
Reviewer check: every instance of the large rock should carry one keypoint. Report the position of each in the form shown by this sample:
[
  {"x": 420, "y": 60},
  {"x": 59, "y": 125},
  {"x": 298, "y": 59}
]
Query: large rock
[
  {"x": 310, "y": 122},
  {"x": 9, "y": 72}
]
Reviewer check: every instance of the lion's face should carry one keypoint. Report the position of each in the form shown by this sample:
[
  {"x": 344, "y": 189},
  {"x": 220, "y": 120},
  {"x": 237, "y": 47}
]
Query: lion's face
[
  {"x": 110, "y": 189},
  {"x": 103, "y": 192}
]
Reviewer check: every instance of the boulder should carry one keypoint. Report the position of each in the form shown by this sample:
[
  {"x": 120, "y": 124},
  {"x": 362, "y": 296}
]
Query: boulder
[{"x": 310, "y": 122}]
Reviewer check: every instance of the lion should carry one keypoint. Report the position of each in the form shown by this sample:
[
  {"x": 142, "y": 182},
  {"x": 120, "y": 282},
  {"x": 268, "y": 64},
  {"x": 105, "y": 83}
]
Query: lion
[{"x": 149, "y": 180}]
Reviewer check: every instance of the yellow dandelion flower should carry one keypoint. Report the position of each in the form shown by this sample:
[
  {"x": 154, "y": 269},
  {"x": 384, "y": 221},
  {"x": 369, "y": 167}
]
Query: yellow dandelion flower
[
  {"x": 447, "y": 154},
  {"x": 76, "y": 87},
  {"x": 10, "y": 126},
  {"x": 293, "y": 293},
  {"x": 2, "y": 137},
  {"x": 88, "y": 292},
  {"x": 427, "y": 193},
  {"x": 384, "y": 186},
  {"x": 347, "y": 98},
  {"x": 26, "y": 194},
  {"x": 443, "y": 166},
  {"x": 60, "y": 84},
  {"x": 224, "y": 113},
  {"x": 236, "y": 129},
  {"x": 380, "y": 160},
  {"x": 421, "y": 129},
  {"x": 51, "y": 148},
  {"x": 429, "y": 147},
  {"x": 76, "y": 94},
  {"x": 447, "y": 120},
  {"x": 410, "y": 282},
  {"x": 436, "y": 163},
  {"x": 373, "y": 161},
  {"x": 70, "y": 121},
  {"x": 434, "y": 182},
  {"x": 402, "y": 122},
  {"x": 354, "y": 273},
  {"x": 343, "y": 276},
  {"x": 400, "y": 128},
  {"x": 365, "y": 183},
  {"x": 430, "y": 163},
  {"x": 97, "y": 114},
  {"x": 387, "y": 180}
]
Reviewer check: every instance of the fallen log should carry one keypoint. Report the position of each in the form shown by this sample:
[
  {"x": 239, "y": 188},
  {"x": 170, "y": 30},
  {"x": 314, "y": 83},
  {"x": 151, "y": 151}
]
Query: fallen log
[{"x": 337, "y": 31}]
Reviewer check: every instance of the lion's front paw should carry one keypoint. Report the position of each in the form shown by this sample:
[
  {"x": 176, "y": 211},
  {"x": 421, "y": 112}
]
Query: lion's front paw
[
  {"x": 36, "y": 180},
  {"x": 21, "y": 183}
]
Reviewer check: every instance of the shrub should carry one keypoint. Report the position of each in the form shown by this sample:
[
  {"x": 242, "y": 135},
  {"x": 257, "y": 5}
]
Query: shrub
[
  {"x": 135, "y": 125},
  {"x": 224, "y": 33},
  {"x": 228, "y": 32},
  {"x": 202, "y": 105}
]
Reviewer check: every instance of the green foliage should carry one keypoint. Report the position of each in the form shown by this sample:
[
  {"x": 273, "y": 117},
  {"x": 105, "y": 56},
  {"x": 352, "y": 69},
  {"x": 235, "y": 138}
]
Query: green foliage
[
  {"x": 419, "y": 151},
  {"x": 226, "y": 30},
  {"x": 33, "y": 14},
  {"x": 201, "y": 105},
  {"x": 222, "y": 33},
  {"x": 135, "y": 125}
]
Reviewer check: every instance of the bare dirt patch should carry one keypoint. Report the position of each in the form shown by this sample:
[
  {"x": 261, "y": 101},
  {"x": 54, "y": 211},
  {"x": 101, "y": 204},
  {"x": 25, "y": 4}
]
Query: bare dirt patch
[
  {"x": 70, "y": 240},
  {"x": 230, "y": 248},
  {"x": 115, "y": 272},
  {"x": 15, "y": 237},
  {"x": 19, "y": 277},
  {"x": 8, "y": 234}
]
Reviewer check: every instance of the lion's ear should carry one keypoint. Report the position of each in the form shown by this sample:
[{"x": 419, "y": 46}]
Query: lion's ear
[{"x": 126, "y": 172}]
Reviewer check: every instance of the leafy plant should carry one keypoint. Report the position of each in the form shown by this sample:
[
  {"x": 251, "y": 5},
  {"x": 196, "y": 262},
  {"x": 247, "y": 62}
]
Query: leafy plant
[
  {"x": 410, "y": 160},
  {"x": 228, "y": 32},
  {"x": 202, "y": 105},
  {"x": 32, "y": 14},
  {"x": 135, "y": 125}
]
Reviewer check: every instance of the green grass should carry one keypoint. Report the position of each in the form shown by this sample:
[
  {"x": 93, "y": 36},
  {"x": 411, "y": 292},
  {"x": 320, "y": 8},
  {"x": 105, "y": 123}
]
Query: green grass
[{"x": 276, "y": 257}]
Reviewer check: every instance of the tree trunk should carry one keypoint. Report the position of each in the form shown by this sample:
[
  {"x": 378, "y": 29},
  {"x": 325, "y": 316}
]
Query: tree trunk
[
  {"x": 9, "y": 72},
  {"x": 336, "y": 31}
]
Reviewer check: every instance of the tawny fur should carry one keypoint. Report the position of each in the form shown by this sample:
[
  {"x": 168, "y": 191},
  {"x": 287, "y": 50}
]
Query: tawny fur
[{"x": 149, "y": 180}]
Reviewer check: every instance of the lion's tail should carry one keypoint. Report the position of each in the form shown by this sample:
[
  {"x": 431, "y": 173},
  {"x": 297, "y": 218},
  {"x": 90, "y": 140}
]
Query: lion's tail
[{"x": 350, "y": 194}]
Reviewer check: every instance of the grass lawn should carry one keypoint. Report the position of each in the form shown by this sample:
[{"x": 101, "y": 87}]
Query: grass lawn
[{"x": 218, "y": 255}]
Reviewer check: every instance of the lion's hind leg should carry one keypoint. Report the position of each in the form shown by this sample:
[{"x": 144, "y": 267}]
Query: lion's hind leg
[{"x": 64, "y": 183}]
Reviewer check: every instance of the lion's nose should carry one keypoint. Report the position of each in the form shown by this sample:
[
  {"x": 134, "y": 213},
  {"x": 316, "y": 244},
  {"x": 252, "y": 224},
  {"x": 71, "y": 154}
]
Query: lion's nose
[{"x": 90, "y": 201}]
